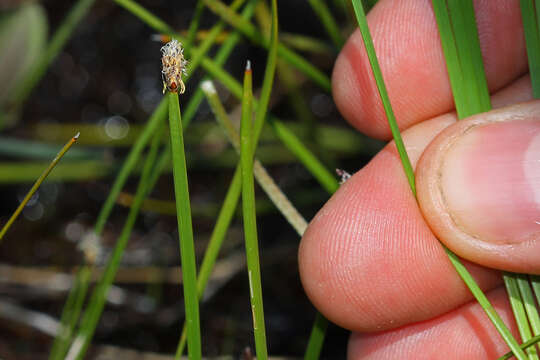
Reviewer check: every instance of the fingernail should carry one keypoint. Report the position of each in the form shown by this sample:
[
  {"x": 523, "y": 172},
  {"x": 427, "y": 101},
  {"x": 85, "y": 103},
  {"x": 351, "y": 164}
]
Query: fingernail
[{"x": 490, "y": 181}]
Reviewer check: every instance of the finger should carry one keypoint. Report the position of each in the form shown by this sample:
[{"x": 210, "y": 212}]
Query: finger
[
  {"x": 465, "y": 333},
  {"x": 368, "y": 261},
  {"x": 408, "y": 47},
  {"x": 479, "y": 188}
]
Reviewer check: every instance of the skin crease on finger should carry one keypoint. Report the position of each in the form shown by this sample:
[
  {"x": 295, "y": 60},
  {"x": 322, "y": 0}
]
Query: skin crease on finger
[
  {"x": 464, "y": 333},
  {"x": 368, "y": 261},
  {"x": 408, "y": 47}
]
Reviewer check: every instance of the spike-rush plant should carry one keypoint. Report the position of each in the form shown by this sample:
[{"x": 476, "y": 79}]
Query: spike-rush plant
[{"x": 160, "y": 147}]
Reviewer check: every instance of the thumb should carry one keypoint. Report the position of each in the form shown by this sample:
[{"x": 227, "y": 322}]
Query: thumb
[{"x": 478, "y": 188}]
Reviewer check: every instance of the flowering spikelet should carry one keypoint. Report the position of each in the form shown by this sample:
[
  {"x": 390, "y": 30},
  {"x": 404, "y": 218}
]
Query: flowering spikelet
[{"x": 173, "y": 65}]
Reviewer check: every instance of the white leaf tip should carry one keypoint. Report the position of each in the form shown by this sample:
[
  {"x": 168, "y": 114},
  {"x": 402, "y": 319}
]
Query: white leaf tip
[{"x": 208, "y": 87}]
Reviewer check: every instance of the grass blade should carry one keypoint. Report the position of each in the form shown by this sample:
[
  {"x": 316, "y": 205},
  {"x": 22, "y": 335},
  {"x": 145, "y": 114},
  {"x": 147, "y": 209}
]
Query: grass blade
[
  {"x": 524, "y": 346},
  {"x": 250, "y": 222},
  {"x": 185, "y": 230},
  {"x": 70, "y": 314},
  {"x": 519, "y": 311},
  {"x": 530, "y": 307},
  {"x": 269, "y": 73},
  {"x": 462, "y": 271},
  {"x": 36, "y": 185},
  {"x": 328, "y": 21},
  {"x": 377, "y": 74},
  {"x": 238, "y": 22},
  {"x": 223, "y": 222},
  {"x": 290, "y": 140},
  {"x": 529, "y": 16},
  {"x": 132, "y": 158},
  {"x": 453, "y": 64},
  {"x": 316, "y": 339},
  {"x": 254, "y": 35},
  {"x": 220, "y": 58},
  {"x": 468, "y": 46},
  {"x": 265, "y": 180},
  {"x": 156, "y": 118},
  {"x": 278, "y": 198},
  {"x": 194, "y": 25},
  {"x": 97, "y": 301}
]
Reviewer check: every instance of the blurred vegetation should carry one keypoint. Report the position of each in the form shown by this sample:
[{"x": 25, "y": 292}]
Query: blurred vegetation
[{"x": 102, "y": 78}]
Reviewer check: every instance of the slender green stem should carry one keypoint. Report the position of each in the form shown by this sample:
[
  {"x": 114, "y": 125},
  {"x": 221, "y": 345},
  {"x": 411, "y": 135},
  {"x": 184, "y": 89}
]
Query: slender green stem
[
  {"x": 316, "y": 339},
  {"x": 185, "y": 229},
  {"x": 468, "y": 47},
  {"x": 70, "y": 314},
  {"x": 36, "y": 185},
  {"x": 328, "y": 21},
  {"x": 520, "y": 314},
  {"x": 159, "y": 115},
  {"x": 270, "y": 187},
  {"x": 462, "y": 271},
  {"x": 535, "y": 280},
  {"x": 529, "y": 303},
  {"x": 56, "y": 44},
  {"x": 269, "y": 73},
  {"x": 194, "y": 26},
  {"x": 453, "y": 64},
  {"x": 529, "y": 16},
  {"x": 309, "y": 160},
  {"x": 250, "y": 222},
  {"x": 132, "y": 158},
  {"x": 486, "y": 305},
  {"x": 461, "y": 48},
  {"x": 324, "y": 177},
  {"x": 238, "y": 22},
  {"x": 198, "y": 53},
  {"x": 219, "y": 59},
  {"x": 524, "y": 346},
  {"x": 97, "y": 301},
  {"x": 306, "y": 43},
  {"x": 377, "y": 74},
  {"x": 250, "y": 31},
  {"x": 214, "y": 244}
]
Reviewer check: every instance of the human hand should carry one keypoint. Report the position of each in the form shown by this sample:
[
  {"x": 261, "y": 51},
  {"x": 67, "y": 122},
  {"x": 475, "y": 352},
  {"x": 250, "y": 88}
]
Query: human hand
[{"x": 370, "y": 260}]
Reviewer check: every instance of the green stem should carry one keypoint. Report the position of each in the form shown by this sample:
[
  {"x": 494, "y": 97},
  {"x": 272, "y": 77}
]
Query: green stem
[
  {"x": 529, "y": 17},
  {"x": 250, "y": 222},
  {"x": 36, "y": 185},
  {"x": 328, "y": 21},
  {"x": 185, "y": 229},
  {"x": 524, "y": 346},
  {"x": 518, "y": 308},
  {"x": 316, "y": 339},
  {"x": 97, "y": 301},
  {"x": 70, "y": 314},
  {"x": 381, "y": 87}
]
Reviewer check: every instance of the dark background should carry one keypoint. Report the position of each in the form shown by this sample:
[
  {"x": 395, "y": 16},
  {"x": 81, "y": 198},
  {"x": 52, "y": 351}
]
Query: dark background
[{"x": 111, "y": 69}]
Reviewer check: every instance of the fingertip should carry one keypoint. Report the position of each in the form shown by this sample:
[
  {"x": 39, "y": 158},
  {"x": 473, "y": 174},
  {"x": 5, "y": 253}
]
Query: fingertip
[
  {"x": 368, "y": 261},
  {"x": 408, "y": 47}
]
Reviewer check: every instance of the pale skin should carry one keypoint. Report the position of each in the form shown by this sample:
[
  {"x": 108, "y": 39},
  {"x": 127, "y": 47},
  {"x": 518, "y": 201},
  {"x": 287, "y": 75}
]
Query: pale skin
[{"x": 370, "y": 260}]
